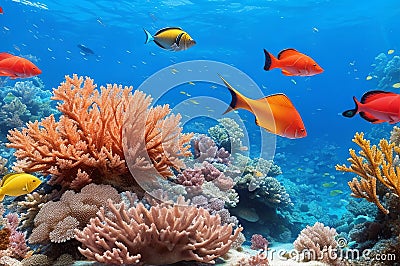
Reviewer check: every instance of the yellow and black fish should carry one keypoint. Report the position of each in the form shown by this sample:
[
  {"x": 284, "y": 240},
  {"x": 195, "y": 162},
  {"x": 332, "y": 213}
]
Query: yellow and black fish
[{"x": 174, "y": 39}]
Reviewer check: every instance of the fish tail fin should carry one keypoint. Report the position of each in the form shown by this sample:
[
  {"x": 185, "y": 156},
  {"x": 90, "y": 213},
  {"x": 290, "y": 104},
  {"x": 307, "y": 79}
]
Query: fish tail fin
[
  {"x": 352, "y": 112},
  {"x": 149, "y": 37},
  {"x": 238, "y": 100},
  {"x": 270, "y": 61}
]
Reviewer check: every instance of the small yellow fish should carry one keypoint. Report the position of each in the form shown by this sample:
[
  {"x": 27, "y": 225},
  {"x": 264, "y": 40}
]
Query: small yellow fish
[
  {"x": 258, "y": 174},
  {"x": 191, "y": 83},
  {"x": 391, "y": 51},
  {"x": 329, "y": 184},
  {"x": 396, "y": 85},
  {"x": 335, "y": 192},
  {"x": 17, "y": 184},
  {"x": 194, "y": 101},
  {"x": 368, "y": 78}
]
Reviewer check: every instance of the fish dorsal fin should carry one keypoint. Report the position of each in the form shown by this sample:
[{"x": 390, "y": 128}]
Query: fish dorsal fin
[
  {"x": 5, "y": 55},
  {"x": 165, "y": 29},
  {"x": 373, "y": 95},
  {"x": 279, "y": 99},
  {"x": 287, "y": 52},
  {"x": 370, "y": 118},
  {"x": 7, "y": 178},
  {"x": 178, "y": 38}
]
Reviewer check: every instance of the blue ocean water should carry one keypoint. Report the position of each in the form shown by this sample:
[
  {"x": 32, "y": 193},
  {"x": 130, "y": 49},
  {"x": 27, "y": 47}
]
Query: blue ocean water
[{"x": 344, "y": 37}]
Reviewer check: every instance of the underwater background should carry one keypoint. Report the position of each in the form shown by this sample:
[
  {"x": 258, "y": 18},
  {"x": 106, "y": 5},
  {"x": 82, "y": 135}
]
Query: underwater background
[{"x": 294, "y": 185}]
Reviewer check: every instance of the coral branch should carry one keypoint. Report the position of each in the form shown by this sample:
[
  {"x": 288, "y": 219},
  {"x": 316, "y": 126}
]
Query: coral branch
[{"x": 373, "y": 163}]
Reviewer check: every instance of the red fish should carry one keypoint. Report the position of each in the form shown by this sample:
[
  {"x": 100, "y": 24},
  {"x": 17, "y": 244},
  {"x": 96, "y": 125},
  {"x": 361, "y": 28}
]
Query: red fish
[
  {"x": 276, "y": 113},
  {"x": 292, "y": 63},
  {"x": 377, "y": 107},
  {"x": 1, "y": 10},
  {"x": 17, "y": 67}
]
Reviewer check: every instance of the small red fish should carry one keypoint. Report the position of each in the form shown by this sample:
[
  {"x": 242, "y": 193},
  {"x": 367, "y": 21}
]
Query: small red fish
[
  {"x": 17, "y": 67},
  {"x": 377, "y": 107},
  {"x": 292, "y": 63},
  {"x": 1, "y": 11}
]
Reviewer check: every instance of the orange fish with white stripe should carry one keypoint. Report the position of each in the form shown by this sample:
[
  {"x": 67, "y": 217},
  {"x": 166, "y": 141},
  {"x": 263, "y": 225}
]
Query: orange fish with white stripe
[
  {"x": 292, "y": 63},
  {"x": 275, "y": 113}
]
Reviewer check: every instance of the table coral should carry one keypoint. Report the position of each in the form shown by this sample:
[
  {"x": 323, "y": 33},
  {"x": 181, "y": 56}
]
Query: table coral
[
  {"x": 161, "y": 235},
  {"x": 86, "y": 143}
]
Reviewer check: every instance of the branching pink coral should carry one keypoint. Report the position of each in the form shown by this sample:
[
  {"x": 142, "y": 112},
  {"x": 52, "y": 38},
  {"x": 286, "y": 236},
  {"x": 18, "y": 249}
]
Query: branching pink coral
[
  {"x": 86, "y": 144},
  {"x": 161, "y": 235}
]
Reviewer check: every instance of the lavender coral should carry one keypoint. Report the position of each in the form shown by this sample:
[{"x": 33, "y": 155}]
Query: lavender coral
[
  {"x": 86, "y": 144},
  {"x": 157, "y": 236}
]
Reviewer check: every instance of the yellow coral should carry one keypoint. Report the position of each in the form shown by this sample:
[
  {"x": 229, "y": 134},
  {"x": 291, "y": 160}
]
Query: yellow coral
[{"x": 373, "y": 163}]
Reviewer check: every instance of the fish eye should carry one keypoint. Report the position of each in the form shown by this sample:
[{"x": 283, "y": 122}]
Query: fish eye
[
  {"x": 34, "y": 180},
  {"x": 302, "y": 129},
  {"x": 314, "y": 64}
]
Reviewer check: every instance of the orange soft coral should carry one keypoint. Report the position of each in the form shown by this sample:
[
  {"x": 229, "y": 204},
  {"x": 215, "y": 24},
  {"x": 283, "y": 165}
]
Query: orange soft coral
[{"x": 85, "y": 144}]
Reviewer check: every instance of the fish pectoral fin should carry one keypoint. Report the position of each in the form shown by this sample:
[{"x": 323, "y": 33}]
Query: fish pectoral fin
[
  {"x": 175, "y": 47},
  {"x": 287, "y": 73}
]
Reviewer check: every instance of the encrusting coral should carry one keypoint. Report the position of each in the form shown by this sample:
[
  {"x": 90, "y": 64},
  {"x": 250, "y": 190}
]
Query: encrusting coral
[
  {"x": 86, "y": 144},
  {"x": 372, "y": 164},
  {"x": 134, "y": 235}
]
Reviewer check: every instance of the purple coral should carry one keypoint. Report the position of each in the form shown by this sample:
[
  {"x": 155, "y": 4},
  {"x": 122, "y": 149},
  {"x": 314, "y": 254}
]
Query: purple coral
[
  {"x": 258, "y": 242},
  {"x": 205, "y": 149},
  {"x": 17, "y": 247}
]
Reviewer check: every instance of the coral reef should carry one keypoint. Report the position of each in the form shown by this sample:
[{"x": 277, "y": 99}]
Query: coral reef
[
  {"x": 379, "y": 231},
  {"x": 12, "y": 241},
  {"x": 134, "y": 235},
  {"x": 56, "y": 220},
  {"x": 86, "y": 144},
  {"x": 228, "y": 135},
  {"x": 23, "y": 102},
  {"x": 205, "y": 149},
  {"x": 258, "y": 242},
  {"x": 3, "y": 168},
  {"x": 372, "y": 165},
  {"x": 386, "y": 70}
]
